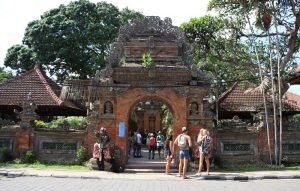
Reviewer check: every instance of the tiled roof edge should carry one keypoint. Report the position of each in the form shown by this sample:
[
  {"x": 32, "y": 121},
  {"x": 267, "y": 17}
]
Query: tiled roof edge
[
  {"x": 47, "y": 86},
  {"x": 224, "y": 94}
]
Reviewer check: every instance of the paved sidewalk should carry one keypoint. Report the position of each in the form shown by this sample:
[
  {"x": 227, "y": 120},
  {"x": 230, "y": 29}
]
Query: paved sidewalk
[{"x": 90, "y": 174}]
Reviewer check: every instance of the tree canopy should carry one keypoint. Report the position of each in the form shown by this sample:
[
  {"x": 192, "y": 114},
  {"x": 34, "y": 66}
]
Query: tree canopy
[
  {"x": 70, "y": 41},
  {"x": 4, "y": 75},
  {"x": 218, "y": 50},
  {"x": 274, "y": 22},
  {"x": 224, "y": 44}
]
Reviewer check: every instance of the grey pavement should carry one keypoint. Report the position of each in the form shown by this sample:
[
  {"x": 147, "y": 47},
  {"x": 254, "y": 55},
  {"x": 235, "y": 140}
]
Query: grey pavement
[
  {"x": 76, "y": 184},
  {"x": 91, "y": 174}
]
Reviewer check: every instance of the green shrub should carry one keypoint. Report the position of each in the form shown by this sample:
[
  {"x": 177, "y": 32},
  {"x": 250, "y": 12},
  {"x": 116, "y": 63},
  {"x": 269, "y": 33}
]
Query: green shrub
[
  {"x": 41, "y": 124},
  {"x": 57, "y": 122},
  {"x": 81, "y": 155},
  {"x": 77, "y": 122},
  {"x": 74, "y": 122},
  {"x": 296, "y": 117},
  {"x": 5, "y": 155},
  {"x": 147, "y": 60},
  {"x": 29, "y": 157}
]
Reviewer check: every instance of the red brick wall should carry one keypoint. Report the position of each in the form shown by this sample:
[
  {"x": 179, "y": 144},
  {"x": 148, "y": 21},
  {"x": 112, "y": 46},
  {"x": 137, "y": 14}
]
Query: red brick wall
[{"x": 127, "y": 101}]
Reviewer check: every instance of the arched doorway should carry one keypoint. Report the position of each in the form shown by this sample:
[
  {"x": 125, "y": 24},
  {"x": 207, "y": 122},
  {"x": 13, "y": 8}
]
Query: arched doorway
[
  {"x": 131, "y": 98},
  {"x": 125, "y": 82},
  {"x": 148, "y": 118}
]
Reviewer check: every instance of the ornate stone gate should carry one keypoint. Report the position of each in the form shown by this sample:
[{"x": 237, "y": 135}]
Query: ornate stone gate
[{"x": 171, "y": 78}]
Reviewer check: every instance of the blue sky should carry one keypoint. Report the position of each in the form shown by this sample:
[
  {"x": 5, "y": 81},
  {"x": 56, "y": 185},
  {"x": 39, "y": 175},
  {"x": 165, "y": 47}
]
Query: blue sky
[{"x": 16, "y": 14}]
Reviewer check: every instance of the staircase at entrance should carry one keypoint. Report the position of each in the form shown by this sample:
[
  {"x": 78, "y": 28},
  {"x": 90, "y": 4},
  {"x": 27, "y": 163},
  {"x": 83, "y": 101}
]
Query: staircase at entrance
[{"x": 145, "y": 165}]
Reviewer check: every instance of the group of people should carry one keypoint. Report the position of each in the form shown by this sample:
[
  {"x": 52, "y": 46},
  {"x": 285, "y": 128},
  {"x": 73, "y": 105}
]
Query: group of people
[
  {"x": 154, "y": 141},
  {"x": 184, "y": 142}
]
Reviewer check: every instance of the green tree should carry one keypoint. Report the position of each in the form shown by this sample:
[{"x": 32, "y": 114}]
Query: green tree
[
  {"x": 278, "y": 19},
  {"x": 4, "y": 75},
  {"x": 20, "y": 58},
  {"x": 276, "y": 29},
  {"x": 218, "y": 50},
  {"x": 70, "y": 41}
]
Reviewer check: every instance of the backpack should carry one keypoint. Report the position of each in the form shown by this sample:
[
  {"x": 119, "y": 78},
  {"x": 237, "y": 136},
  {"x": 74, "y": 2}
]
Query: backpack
[
  {"x": 138, "y": 139},
  {"x": 152, "y": 141},
  {"x": 182, "y": 142}
]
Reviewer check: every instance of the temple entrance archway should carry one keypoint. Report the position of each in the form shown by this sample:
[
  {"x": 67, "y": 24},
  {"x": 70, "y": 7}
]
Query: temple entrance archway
[
  {"x": 170, "y": 77},
  {"x": 130, "y": 99},
  {"x": 148, "y": 116}
]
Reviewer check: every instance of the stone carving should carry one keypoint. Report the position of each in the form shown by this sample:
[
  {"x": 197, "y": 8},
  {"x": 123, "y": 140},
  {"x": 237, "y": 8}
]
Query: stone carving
[
  {"x": 94, "y": 107},
  {"x": 103, "y": 75},
  {"x": 194, "y": 108},
  {"x": 108, "y": 107},
  {"x": 151, "y": 42},
  {"x": 28, "y": 115},
  {"x": 201, "y": 76},
  {"x": 151, "y": 26},
  {"x": 115, "y": 55}
]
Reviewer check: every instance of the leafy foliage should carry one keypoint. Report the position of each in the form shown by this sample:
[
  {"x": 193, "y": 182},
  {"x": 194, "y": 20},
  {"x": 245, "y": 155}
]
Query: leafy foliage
[
  {"x": 218, "y": 50},
  {"x": 278, "y": 20},
  {"x": 167, "y": 119},
  {"x": 5, "y": 155},
  {"x": 296, "y": 117},
  {"x": 81, "y": 155},
  {"x": 73, "y": 122},
  {"x": 147, "y": 60},
  {"x": 4, "y": 75},
  {"x": 29, "y": 157},
  {"x": 70, "y": 41}
]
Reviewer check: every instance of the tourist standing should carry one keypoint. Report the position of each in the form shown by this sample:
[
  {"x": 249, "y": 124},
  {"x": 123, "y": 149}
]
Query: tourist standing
[
  {"x": 152, "y": 145},
  {"x": 137, "y": 145},
  {"x": 160, "y": 139},
  {"x": 184, "y": 142},
  {"x": 199, "y": 143},
  {"x": 168, "y": 152},
  {"x": 96, "y": 153},
  {"x": 205, "y": 151},
  {"x": 130, "y": 142}
]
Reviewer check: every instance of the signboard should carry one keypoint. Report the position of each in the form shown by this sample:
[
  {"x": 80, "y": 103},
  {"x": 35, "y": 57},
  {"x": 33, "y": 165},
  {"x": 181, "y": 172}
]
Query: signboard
[{"x": 122, "y": 129}]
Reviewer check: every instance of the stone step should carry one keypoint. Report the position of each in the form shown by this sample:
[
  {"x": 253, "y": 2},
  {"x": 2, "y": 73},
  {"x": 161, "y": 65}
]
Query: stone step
[
  {"x": 147, "y": 166},
  {"x": 149, "y": 170}
]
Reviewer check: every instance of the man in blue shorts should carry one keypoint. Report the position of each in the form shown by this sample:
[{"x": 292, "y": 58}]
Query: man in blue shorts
[{"x": 184, "y": 142}]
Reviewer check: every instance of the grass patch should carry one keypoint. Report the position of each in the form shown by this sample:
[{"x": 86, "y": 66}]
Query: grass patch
[
  {"x": 293, "y": 168},
  {"x": 258, "y": 167},
  {"x": 44, "y": 166}
]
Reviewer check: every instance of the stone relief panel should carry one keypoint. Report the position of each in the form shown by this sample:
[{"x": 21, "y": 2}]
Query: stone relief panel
[
  {"x": 108, "y": 107},
  {"x": 194, "y": 108},
  {"x": 150, "y": 26}
]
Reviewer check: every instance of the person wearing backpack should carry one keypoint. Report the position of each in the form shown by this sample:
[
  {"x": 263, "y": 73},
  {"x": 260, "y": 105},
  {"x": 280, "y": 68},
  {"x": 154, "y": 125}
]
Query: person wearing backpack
[
  {"x": 152, "y": 145},
  {"x": 184, "y": 143},
  {"x": 204, "y": 151},
  {"x": 160, "y": 139}
]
